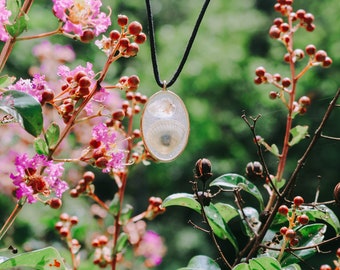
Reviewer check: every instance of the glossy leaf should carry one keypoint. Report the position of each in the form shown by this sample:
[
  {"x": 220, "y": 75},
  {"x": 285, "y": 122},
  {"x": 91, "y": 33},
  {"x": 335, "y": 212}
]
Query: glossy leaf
[
  {"x": 25, "y": 109},
  {"x": 115, "y": 205},
  {"x": 182, "y": 199},
  {"x": 41, "y": 147},
  {"x": 309, "y": 235},
  {"x": 201, "y": 262},
  {"x": 298, "y": 133},
  {"x": 324, "y": 213},
  {"x": 42, "y": 259},
  {"x": 227, "y": 212},
  {"x": 219, "y": 227},
  {"x": 232, "y": 180},
  {"x": 274, "y": 150},
  {"x": 259, "y": 264},
  {"x": 52, "y": 135},
  {"x": 17, "y": 24}
]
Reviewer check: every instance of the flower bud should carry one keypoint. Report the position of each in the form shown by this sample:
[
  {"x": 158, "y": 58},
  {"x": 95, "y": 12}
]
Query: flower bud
[{"x": 203, "y": 169}]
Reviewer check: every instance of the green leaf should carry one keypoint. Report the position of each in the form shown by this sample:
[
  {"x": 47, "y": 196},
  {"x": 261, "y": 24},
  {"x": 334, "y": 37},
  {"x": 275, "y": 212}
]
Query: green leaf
[
  {"x": 298, "y": 133},
  {"x": 201, "y": 262},
  {"x": 264, "y": 263},
  {"x": 121, "y": 242},
  {"x": 324, "y": 213},
  {"x": 232, "y": 180},
  {"x": 227, "y": 212},
  {"x": 114, "y": 205},
  {"x": 25, "y": 109},
  {"x": 309, "y": 235},
  {"x": 19, "y": 26},
  {"x": 274, "y": 150},
  {"x": 182, "y": 199},
  {"x": 218, "y": 226},
  {"x": 126, "y": 213},
  {"x": 42, "y": 259},
  {"x": 6, "y": 81},
  {"x": 52, "y": 135},
  {"x": 41, "y": 147}
]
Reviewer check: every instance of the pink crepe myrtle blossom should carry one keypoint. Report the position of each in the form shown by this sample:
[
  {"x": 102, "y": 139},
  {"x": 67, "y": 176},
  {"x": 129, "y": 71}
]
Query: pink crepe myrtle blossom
[
  {"x": 81, "y": 15},
  {"x": 4, "y": 16},
  {"x": 31, "y": 183},
  {"x": 111, "y": 157},
  {"x": 152, "y": 248},
  {"x": 35, "y": 86}
]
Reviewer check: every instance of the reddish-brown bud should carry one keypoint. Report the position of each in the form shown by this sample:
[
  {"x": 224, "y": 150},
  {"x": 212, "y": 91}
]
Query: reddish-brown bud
[
  {"x": 135, "y": 28},
  {"x": 122, "y": 20}
]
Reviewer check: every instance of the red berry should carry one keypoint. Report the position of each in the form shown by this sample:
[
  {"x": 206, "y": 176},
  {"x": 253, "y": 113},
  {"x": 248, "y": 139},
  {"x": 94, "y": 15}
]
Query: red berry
[
  {"x": 320, "y": 56},
  {"x": 64, "y": 231},
  {"x": 273, "y": 95},
  {"x": 135, "y": 28},
  {"x": 338, "y": 252},
  {"x": 290, "y": 233},
  {"x": 55, "y": 203},
  {"x": 88, "y": 176},
  {"x": 74, "y": 220},
  {"x": 132, "y": 49},
  {"x": 140, "y": 38},
  {"x": 87, "y": 36},
  {"x": 283, "y": 210},
  {"x": 310, "y": 49},
  {"x": 308, "y": 18},
  {"x": 304, "y": 100},
  {"x": 95, "y": 143},
  {"x": 325, "y": 267},
  {"x": 74, "y": 193},
  {"x": 124, "y": 43},
  {"x": 303, "y": 219},
  {"x": 58, "y": 225},
  {"x": 286, "y": 82},
  {"x": 118, "y": 115},
  {"x": 103, "y": 240},
  {"x": 298, "y": 200},
  {"x": 310, "y": 27},
  {"x": 122, "y": 20},
  {"x": 278, "y": 22},
  {"x": 47, "y": 95},
  {"x": 114, "y": 35},
  {"x": 64, "y": 217},
  {"x": 300, "y": 13},
  {"x": 284, "y": 27},
  {"x": 260, "y": 71},
  {"x": 294, "y": 241},
  {"x": 257, "y": 80},
  {"x": 133, "y": 81},
  {"x": 274, "y": 32},
  {"x": 84, "y": 82},
  {"x": 286, "y": 57},
  {"x": 283, "y": 230},
  {"x": 101, "y": 162},
  {"x": 327, "y": 62}
]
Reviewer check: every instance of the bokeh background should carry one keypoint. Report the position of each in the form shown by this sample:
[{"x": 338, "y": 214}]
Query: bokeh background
[{"x": 217, "y": 86}]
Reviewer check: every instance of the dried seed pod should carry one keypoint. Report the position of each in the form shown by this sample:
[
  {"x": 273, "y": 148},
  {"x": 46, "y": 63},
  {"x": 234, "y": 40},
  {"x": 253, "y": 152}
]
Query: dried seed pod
[{"x": 203, "y": 169}]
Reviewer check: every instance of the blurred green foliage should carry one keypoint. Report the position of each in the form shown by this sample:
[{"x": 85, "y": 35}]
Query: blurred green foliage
[{"x": 217, "y": 87}]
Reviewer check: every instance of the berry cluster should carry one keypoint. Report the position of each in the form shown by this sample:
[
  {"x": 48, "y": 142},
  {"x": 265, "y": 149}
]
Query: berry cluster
[
  {"x": 125, "y": 42},
  {"x": 288, "y": 232},
  {"x": 84, "y": 185},
  {"x": 102, "y": 254},
  {"x": 64, "y": 226},
  {"x": 76, "y": 87}
]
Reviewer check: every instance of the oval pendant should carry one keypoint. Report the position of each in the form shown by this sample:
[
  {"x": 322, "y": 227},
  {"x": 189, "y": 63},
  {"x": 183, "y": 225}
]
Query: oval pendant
[{"x": 165, "y": 126}]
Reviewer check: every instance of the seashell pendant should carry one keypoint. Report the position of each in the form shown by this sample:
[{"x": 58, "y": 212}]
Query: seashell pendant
[{"x": 165, "y": 126}]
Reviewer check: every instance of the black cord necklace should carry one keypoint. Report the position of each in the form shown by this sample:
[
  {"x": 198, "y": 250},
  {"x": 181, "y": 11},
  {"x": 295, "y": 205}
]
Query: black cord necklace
[
  {"x": 165, "y": 121},
  {"x": 187, "y": 49}
]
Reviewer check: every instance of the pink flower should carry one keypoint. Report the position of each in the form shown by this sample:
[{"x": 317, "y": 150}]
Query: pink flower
[
  {"x": 31, "y": 183},
  {"x": 107, "y": 137},
  {"x": 152, "y": 248},
  {"x": 4, "y": 15},
  {"x": 34, "y": 87},
  {"x": 80, "y": 15}
]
